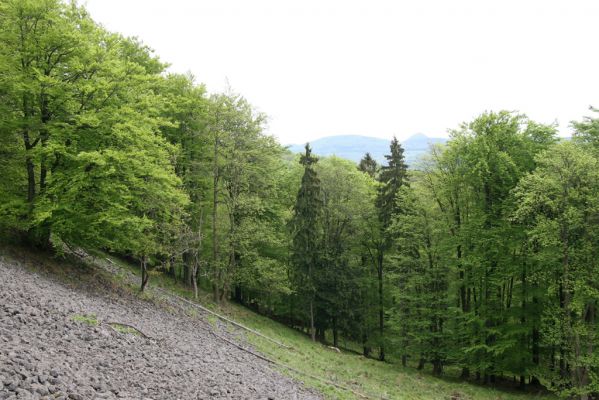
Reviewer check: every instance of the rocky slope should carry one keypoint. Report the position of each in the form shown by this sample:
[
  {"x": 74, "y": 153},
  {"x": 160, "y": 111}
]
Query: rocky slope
[{"x": 56, "y": 343}]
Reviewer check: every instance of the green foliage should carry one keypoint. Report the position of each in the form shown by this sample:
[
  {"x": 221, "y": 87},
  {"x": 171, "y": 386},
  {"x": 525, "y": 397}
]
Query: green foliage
[
  {"x": 368, "y": 165},
  {"x": 587, "y": 130},
  {"x": 392, "y": 176},
  {"x": 306, "y": 233},
  {"x": 348, "y": 200},
  {"x": 82, "y": 104},
  {"x": 558, "y": 203},
  {"x": 127, "y": 330},
  {"x": 483, "y": 260},
  {"x": 91, "y": 319},
  {"x": 361, "y": 374},
  {"x": 421, "y": 280}
]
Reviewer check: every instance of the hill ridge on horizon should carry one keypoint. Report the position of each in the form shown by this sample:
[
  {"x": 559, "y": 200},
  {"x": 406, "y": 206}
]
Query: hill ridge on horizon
[{"x": 353, "y": 147}]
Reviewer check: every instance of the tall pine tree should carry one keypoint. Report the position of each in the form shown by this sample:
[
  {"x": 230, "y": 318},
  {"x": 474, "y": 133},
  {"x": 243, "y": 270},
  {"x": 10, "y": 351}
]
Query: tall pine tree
[
  {"x": 369, "y": 165},
  {"x": 306, "y": 233},
  {"x": 392, "y": 177}
]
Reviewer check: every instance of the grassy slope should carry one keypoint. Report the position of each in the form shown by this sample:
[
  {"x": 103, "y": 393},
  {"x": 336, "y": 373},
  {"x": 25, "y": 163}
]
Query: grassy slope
[
  {"x": 366, "y": 376},
  {"x": 373, "y": 378}
]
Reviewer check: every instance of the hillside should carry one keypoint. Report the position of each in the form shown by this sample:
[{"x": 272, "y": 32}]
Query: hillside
[
  {"x": 353, "y": 147},
  {"x": 448, "y": 266},
  {"x": 91, "y": 338},
  {"x": 102, "y": 339}
]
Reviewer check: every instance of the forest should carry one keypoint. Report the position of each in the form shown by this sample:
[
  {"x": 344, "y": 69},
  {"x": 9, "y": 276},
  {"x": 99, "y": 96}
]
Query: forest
[{"x": 483, "y": 256}]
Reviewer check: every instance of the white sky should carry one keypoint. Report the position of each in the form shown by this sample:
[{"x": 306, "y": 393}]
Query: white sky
[{"x": 377, "y": 68}]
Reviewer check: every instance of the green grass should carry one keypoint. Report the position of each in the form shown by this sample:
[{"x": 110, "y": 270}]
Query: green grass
[
  {"x": 212, "y": 320},
  {"x": 372, "y": 378},
  {"x": 91, "y": 319},
  {"x": 125, "y": 329}
]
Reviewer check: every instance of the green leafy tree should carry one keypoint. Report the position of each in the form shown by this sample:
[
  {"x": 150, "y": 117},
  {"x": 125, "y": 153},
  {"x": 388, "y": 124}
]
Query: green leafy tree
[
  {"x": 347, "y": 201},
  {"x": 483, "y": 163},
  {"x": 186, "y": 105},
  {"x": 422, "y": 308},
  {"x": 46, "y": 46},
  {"x": 82, "y": 104},
  {"x": 558, "y": 202},
  {"x": 587, "y": 130}
]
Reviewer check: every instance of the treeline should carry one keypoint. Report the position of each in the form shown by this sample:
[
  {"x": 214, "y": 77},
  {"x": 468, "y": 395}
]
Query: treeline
[
  {"x": 483, "y": 257},
  {"x": 495, "y": 264},
  {"x": 102, "y": 148}
]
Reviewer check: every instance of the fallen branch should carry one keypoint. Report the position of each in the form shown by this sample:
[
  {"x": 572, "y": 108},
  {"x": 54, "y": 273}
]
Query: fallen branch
[
  {"x": 225, "y": 318},
  {"x": 114, "y": 330},
  {"x": 268, "y": 360},
  {"x": 271, "y": 361},
  {"x": 77, "y": 252}
]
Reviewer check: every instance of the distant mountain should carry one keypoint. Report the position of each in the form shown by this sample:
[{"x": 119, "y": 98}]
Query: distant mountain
[{"x": 353, "y": 147}]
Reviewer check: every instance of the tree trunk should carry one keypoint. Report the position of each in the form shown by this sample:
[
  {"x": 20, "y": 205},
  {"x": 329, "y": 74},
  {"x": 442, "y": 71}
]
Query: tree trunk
[
  {"x": 44, "y": 135},
  {"x": 381, "y": 309},
  {"x": 216, "y": 276},
  {"x": 523, "y": 320},
  {"x": 335, "y": 333},
  {"x": 38, "y": 236},
  {"x": 43, "y": 170},
  {"x": 194, "y": 278},
  {"x": 215, "y": 293},
  {"x": 144, "y": 272},
  {"x": 237, "y": 294},
  {"x": 365, "y": 348},
  {"x": 320, "y": 334},
  {"x": 536, "y": 351},
  {"x": 437, "y": 367},
  {"x": 187, "y": 268},
  {"x": 29, "y": 145},
  {"x": 30, "y": 181},
  {"x": 312, "y": 330},
  {"x": 171, "y": 267}
]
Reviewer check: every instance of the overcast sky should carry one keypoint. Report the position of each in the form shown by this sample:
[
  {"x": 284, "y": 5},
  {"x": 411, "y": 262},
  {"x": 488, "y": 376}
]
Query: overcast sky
[{"x": 377, "y": 68}]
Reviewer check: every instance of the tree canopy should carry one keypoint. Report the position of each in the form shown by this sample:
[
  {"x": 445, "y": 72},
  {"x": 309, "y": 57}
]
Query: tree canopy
[{"x": 481, "y": 258}]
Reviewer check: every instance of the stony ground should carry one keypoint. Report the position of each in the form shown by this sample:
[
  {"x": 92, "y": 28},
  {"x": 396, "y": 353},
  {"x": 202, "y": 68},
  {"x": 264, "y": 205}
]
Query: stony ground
[{"x": 50, "y": 347}]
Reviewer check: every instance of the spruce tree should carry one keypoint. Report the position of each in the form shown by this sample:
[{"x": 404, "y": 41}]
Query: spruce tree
[
  {"x": 306, "y": 233},
  {"x": 368, "y": 165},
  {"x": 392, "y": 177}
]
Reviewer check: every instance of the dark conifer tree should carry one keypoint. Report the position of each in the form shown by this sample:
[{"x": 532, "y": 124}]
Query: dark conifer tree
[
  {"x": 306, "y": 233},
  {"x": 392, "y": 177},
  {"x": 368, "y": 165}
]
